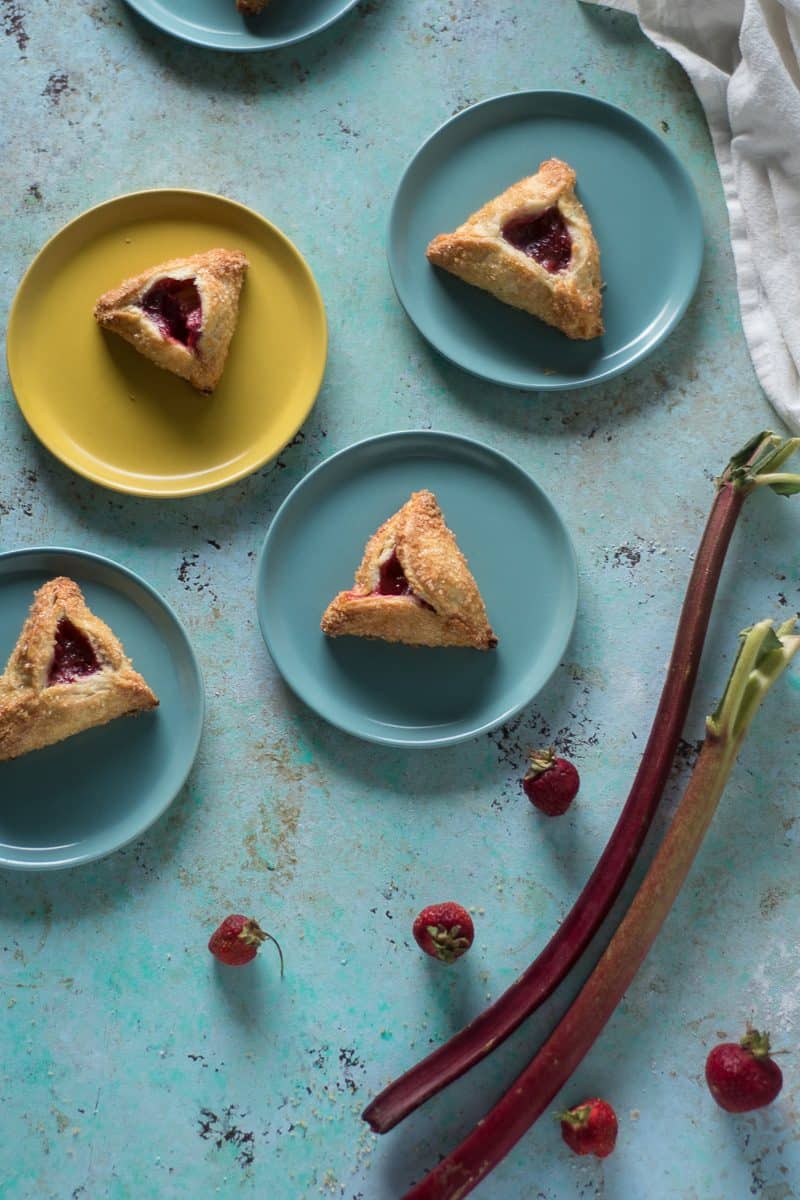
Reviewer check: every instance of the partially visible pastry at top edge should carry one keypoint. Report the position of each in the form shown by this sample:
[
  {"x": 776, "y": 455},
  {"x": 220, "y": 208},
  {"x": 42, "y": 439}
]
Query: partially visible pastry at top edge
[
  {"x": 251, "y": 8},
  {"x": 181, "y": 314},
  {"x": 533, "y": 248}
]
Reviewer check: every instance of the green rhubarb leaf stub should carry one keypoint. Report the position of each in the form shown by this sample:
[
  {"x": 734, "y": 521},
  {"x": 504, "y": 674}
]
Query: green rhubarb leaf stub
[
  {"x": 786, "y": 487},
  {"x": 747, "y": 451}
]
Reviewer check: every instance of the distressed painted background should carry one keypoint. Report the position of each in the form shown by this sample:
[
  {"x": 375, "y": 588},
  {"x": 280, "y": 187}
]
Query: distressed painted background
[{"x": 132, "y": 1066}]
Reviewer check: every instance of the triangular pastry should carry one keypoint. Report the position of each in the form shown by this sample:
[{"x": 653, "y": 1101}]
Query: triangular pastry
[
  {"x": 413, "y": 586},
  {"x": 251, "y": 8},
  {"x": 533, "y": 248},
  {"x": 67, "y": 672},
  {"x": 181, "y": 314}
]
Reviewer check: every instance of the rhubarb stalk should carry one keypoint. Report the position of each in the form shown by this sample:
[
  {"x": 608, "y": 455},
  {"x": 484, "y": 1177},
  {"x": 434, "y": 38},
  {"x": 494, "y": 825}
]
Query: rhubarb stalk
[
  {"x": 758, "y": 463},
  {"x": 763, "y": 655}
]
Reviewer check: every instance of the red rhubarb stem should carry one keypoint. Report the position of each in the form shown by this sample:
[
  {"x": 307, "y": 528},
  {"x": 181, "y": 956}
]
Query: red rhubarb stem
[
  {"x": 759, "y": 664},
  {"x": 535, "y": 1088},
  {"x": 546, "y": 972}
]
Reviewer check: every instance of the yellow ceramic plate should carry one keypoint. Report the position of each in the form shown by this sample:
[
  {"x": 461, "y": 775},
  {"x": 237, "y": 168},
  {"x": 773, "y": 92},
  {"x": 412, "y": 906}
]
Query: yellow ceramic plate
[{"x": 115, "y": 417}]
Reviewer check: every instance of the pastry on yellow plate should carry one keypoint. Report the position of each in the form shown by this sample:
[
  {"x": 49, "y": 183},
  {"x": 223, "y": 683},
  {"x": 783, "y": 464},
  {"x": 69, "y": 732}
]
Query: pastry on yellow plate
[
  {"x": 533, "y": 248},
  {"x": 68, "y": 672},
  {"x": 180, "y": 314},
  {"x": 413, "y": 586}
]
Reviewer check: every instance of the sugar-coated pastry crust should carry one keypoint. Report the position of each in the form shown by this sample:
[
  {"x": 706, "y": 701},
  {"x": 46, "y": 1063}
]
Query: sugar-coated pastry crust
[
  {"x": 478, "y": 253},
  {"x": 34, "y": 713},
  {"x": 251, "y": 8},
  {"x": 445, "y": 607},
  {"x": 218, "y": 276}
]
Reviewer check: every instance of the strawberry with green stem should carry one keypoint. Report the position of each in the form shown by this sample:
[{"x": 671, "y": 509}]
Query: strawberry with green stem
[
  {"x": 742, "y": 1076},
  {"x": 590, "y": 1128},
  {"x": 445, "y": 931},
  {"x": 551, "y": 783},
  {"x": 236, "y": 941}
]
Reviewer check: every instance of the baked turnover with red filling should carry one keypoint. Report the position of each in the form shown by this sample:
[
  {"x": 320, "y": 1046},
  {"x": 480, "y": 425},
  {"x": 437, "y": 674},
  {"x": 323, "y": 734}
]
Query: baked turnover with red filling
[
  {"x": 181, "y": 314},
  {"x": 413, "y": 586},
  {"x": 533, "y": 248},
  {"x": 68, "y": 672}
]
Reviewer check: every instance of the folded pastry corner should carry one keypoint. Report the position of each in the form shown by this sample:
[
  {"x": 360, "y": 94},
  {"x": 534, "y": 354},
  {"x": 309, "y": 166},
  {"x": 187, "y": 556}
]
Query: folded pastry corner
[
  {"x": 181, "y": 314},
  {"x": 413, "y": 586},
  {"x": 68, "y": 672},
  {"x": 533, "y": 248}
]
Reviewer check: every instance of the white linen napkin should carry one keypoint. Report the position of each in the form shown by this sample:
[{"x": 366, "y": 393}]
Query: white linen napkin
[{"x": 742, "y": 57}]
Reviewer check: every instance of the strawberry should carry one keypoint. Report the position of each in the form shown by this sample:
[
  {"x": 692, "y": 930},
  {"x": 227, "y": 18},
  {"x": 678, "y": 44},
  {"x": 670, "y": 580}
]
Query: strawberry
[
  {"x": 742, "y": 1077},
  {"x": 550, "y": 783},
  {"x": 445, "y": 931},
  {"x": 590, "y": 1128},
  {"x": 237, "y": 939}
]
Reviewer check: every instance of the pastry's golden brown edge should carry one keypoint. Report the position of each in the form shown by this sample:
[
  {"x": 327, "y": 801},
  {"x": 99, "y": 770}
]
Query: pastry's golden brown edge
[
  {"x": 399, "y": 619},
  {"x": 251, "y": 8},
  {"x": 437, "y": 572},
  {"x": 571, "y": 300},
  {"x": 33, "y": 715},
  {"x": 218, "y": 275}
]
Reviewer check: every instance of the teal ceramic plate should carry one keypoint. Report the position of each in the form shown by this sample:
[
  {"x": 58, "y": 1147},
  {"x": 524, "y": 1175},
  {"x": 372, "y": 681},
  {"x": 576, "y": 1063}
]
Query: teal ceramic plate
[
  {"x": 639, "y": 198},
  {"x": 518, "y": 550},
  {"x": 217, "y": 24},
  {"x": 84, "y": 797}
]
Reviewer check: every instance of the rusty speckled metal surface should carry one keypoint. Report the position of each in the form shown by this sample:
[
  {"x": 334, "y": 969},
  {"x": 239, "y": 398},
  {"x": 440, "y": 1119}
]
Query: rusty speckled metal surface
[{"x": 132, "y": 1066}]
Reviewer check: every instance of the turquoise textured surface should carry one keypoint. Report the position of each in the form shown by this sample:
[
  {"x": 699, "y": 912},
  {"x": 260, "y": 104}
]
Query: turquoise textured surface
[
  {"x": 399, "y": 695},
  {"x": 639, "y": 200},
  {"x": 87, "y": 796},
  {"x": 133, "y": 1067}
]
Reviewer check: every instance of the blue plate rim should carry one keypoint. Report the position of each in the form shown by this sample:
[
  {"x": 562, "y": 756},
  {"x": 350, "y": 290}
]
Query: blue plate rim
[
  {"x": 435, "y": 435},
  {"x": 557, "y": 385},
  {"x": 145, "y": 10},
  {"x": 103, "y": 560}
]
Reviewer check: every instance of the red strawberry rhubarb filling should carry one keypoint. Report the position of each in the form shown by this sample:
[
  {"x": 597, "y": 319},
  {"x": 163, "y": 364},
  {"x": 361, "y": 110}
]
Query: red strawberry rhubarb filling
[
  {"x": 174, "y": 305},
  {"x": 73, "y": 656},
  {"x": 544, "y": 237},
  {"x": 392, "y": 578},
  {"x": 392, "y": 581}
]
